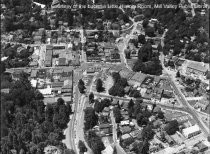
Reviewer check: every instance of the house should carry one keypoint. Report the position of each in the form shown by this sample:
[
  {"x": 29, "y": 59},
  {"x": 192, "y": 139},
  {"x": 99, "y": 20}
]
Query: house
[
  {"x": 201, "y": 146},
  {"x": 126, "y": 73},
  {"x": 137, "y": 79},
  {"x": 115, "y": 102},
  {"x": 203, "y": 104},
  {"x": 33, "y": 64},
  {"x": 62, "y": 62},
  {"x": 157, "y": 93},
  {"x": 52, "y": 150},
  {"x": 125, "y": 105},
  {"x": 90, "y": 70},
  {"x": 191, "y": 131},
  {"x": 168, "y": 138},
  {"x": 136, "y": 134},
  {"x": 105, "y": 129},
  {"x": 197, "y": 68},
  {"x": 124, "y": 123},
  {"x": 106, "y": 111},
  {"x": 127, "y": 89},
  {"x": 125, "y": 129},
  {"x": 126, "y": 139},
  {"x": 34, "y": 73},
  {"x": 108, "y": 150}
]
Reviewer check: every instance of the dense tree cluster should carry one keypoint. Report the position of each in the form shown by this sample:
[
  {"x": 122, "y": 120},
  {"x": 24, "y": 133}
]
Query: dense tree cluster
[
  {"x": 148, "y": 62},
  {"x": 172, "y": 127},
  {"x": 82, "y": 147},
  {"x": 25, "y": 15},
  {"x": 28, "y": 125},
  {"x": 81, "y": 86},
  {"x": 95, "y": 142},
  {"x": 119, "y": 84},
  {"x": 91, "y": 119},
  {"x": 91, "y": 98},
  {"x": 99, "y": 85},
  {"x": 15, "y": 59},
  {"x": 117, "y": 114},
  {"x": 100, "y": 105}
]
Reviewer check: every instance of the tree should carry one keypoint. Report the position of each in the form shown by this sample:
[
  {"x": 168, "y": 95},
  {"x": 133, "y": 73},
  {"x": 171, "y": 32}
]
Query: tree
[
  {"x": 3, "y": 68},
  {"x": 130, "y": 104},
  {"x": 141, "y": 39},
  {"x": 145, "y": 23},
  {"x": 172, "y": 127},
  {"x": 138, "y": 107},
  {"x": 99, "y": 85},
  {"x": 139, "y": 119},
  {"x": 208, "y": 138},
  {"x": 95, "y": 142},
  {"x": 153, "y": 107},
  {"x": 117, "y": 114},
  {"x": 114, "y": 150},
  {"x": 145, "y": 147},
  {"x": 135, "y": 94},
  {"x": 91, "y": 97},
  {"x": 82, "y": 147},
  {"x": 147, "y": 133},
  {"x": 81, "y": 86},
  {"x": 178, "y": 74},
  {"x": 90, "y": 118},
  {"x": 98, "y": 106},
  {"x": 69, "y": 151}
]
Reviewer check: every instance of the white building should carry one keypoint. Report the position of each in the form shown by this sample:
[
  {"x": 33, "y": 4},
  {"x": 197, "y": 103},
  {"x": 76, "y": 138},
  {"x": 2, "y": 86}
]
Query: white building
[
  {"x": 191, "y": 131},
  {"x": 108, "y": 150}
]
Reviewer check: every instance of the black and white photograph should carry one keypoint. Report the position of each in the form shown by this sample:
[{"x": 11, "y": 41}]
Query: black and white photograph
[{"x": 105, "y": 77}]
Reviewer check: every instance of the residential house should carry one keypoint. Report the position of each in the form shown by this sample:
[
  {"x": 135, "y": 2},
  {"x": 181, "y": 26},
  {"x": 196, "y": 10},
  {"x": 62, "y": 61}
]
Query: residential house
[
  {"x": 106, "y": 111},
  {"x": 202, "y": 104},
  {"x": 124, "y": 123},
  {"x": 137, "y": 79},
  {"x": 167, "y": 89},
  {"x": 62, "y": 62},
  {"x": 136, "y": 134},
  {"x": 125, "y": 129},
  {"x": 157, "y": 93},
  {"x": 201, "y": 146},
  {"x": 33, "y": 73},
  {"x": 105, "y": 129},
  {"x": 115, "y": 102},
  {"x": 126, "y": 73},
  {"x": 126, "y": 140}
]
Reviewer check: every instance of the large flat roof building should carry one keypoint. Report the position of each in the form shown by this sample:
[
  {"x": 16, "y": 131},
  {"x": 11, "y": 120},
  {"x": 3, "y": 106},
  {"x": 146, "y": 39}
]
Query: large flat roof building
[{"x": 191, "y": 131}]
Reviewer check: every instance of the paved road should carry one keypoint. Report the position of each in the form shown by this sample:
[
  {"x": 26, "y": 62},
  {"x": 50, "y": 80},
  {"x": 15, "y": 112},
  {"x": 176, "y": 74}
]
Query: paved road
[
  {"x": 77, "y": 95},
  {"x": 182, "y": 99}
]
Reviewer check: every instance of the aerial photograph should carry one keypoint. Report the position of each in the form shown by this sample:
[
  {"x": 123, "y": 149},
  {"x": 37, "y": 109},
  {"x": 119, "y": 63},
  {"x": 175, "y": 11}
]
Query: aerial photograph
[{"x": 105, "y": 77}]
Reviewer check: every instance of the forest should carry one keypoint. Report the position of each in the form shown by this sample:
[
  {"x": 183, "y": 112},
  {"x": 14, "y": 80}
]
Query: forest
[{"x": 28, "y": 125}]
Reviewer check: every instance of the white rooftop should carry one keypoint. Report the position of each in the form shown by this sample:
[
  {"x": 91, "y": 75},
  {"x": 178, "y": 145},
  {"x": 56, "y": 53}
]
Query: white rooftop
[
  {"x": 108, "y": 150},
  {"x": 190, "y": 130}
]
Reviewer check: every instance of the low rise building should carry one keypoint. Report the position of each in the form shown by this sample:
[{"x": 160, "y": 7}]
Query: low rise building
[
  {"x": 105, "y": 129},
  {"x": 191, "y": 131},
  {"x": 203, "y": 104},
  {"x": 196, "y": 68}
]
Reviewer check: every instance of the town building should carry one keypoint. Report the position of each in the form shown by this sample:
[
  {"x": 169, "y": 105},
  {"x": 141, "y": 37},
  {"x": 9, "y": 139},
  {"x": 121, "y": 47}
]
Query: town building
[
  {"x": 105, "y": 129},
  {"x": 196, "y": 68},
  {"x": 202, "y": 104},
  {"x": 191, "y": 131},
  {"x": 137, "y": 79}
]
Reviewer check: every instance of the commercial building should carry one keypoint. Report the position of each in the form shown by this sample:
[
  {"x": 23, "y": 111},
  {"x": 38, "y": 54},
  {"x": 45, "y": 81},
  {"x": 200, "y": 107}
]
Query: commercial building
[
  {"x": 196, "y": 68},
  {"x": 191, "y": 131}
]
